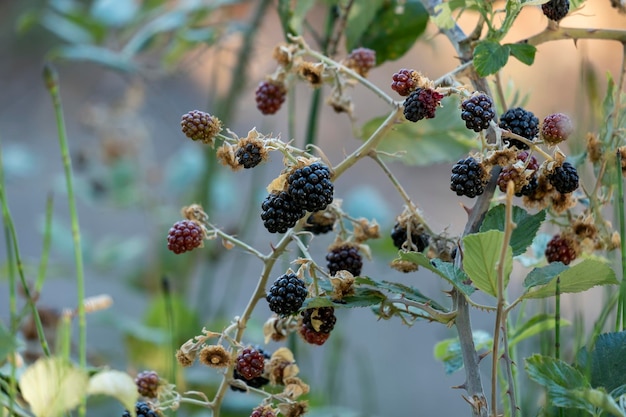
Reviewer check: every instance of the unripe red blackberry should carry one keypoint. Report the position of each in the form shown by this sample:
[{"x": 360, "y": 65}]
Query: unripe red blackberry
[
  {"x": 256, "y": 382},
  {"x": 344, "y": 257},
  {"x": 564, "y": 178},
  {"x": 532, "y": 164},
  {"x": 320, "y": 319},
  {"x": 468, "y": 178},
  {"x": 270, "y": 96},
  {"x": 142, "y": 409},
  {"x": 249, "y": 155},
  {"x": 555, "y": 9},
  {"x": 280, "y": 213},
  {"x": 421, "y": 104},
  {"x": 185, "y": 235},
  {"x": 250, "y": 363},
  {"x": 477, "y": 111},
  {"x": 361, "y": 60},
  {"x": 561, "y": 249},
  {"x": 263, "y": 411},
  {"x": 404, "y": 82},
  {"x": 313, "y": 337},
  {"x": 310, "y": 187},
  {"x": 147, "y": 383},
  {"x": 521, "y": 122},
  {"x": 556, "y": 128},
  {"x": 198, "y": 125},
  {"x": 399, "y": 236},
  {"x": 511, "y": 173},
  {"x": 287, "y": 295}
]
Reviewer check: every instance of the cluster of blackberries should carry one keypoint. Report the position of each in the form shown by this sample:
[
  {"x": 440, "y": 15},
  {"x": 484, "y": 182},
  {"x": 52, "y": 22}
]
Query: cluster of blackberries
[
  {"x": 344, "y": 257},
  {"x": 468, "y": 178},
  {"x": 249, "y": 155},
  {"x": 421, "y": 104},
  {"x": 477, "y": 111},
  {"x": 399, "y": 235},
  {"x": 287, "y": 295},
  {"x": 524, "y": 177},
  {"x": 317, "y": 323},
  {"x": 309, "y": 189},
  {"x": 250, "y": 363},
  {"x": 270, "y": 96},
  {"x": 564, "y": 178},
  {"x": 521, "y": 122},
  {"x": 184, "y": 235},
  {"x": 561, "y": 249}
]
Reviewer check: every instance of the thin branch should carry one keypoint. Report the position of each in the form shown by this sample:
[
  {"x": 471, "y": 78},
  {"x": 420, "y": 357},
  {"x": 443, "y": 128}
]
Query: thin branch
[{"x": 563, "y": 33}]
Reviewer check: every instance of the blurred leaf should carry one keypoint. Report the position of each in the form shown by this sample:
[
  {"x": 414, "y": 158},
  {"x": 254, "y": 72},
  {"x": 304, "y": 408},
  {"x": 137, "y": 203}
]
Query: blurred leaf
[
  {"x": 301, "y": 8},
  {"x": 536, "y": 324},
  {"x": 526, "y": 228},
  {"x": 27, "y": 21},
  {"x": 443, "y": 16},
  {"x": 94, "y": 54},
  {"x": 114, "y": 13},
  {"x": 403, "y": 28},
  {"x": 183, "y": 169},
  {"x": 116, "y": 384},
  {"x": 449, "y": 352},
  {"x": 69, "y": 31},
  {"x": 523, "y": 51},
  {"x": 481, "y": 255},
  {"x": 608, "y": 367},
  {"x": 362, "y": 14},
  {"x": 118, "y": 253},
  {"x": 577, "y": 278},
  {"x": 19, "y": 161},
  {"x": 490, "y": 57},
  {"x": 442, "y": 139},
  {"x": 53, "y": 386},
  {"x": 7, "y": 342},
  {"x": 446, "y": 270},
  {"x": 162, "y": 24}
]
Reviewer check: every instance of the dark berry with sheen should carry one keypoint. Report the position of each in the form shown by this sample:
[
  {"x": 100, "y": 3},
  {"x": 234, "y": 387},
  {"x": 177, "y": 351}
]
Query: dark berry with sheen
[
  {"x": 467, "y": 178},
  {"x": 320, "y": 222},
  {"x": 250, "y": 363},
  {"x": 321, "y": 319},
  {"x": 256, "y": 382},
  {"x": 421, "y": 104},
  {"x": 280, "y": 213},
  {"x": 311, "y": 187},
  {"x": 249, "y": 155},
  {"x": 555, "y": 9},
  {"x": 477, "y": 111},
  {"x": 147, "y": 383},
  {"x": 184, "y": 236},
  {"x": 142, "y": 409},
  {"x": 521, "y": 122},
  {"x": 564, "y": 178},
  {"x": 560, "y": 249},
  {"x": 270, "y": 96},
  {"x": 399, "y": 236},
  {"x": 403, "y": 82},
  {"x": 344, "y": 258},
  {"x": 287, "y": 295}
]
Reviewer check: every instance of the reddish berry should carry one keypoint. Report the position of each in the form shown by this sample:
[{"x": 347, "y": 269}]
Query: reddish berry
[
  {"x": 198, "y": 125},
  {"x": 250, "y": 363},
  {"x": 556, "y": 128},
  {"x": 313, "y": 337},
  {"x": 362, "y": 60},
  {"x": 561, "y": 249},
  {"x": 270, "y": 95},
  {"x": 263, "y": 411},
  {"x": 147, "y": 383},
  {"x": 321, "y": 319},
  {"x": 184, "y": 236},
  {"x": 403, "y": 82},
  {"x": 421, "y": 104},
  {"x": 532, "y": 164}
]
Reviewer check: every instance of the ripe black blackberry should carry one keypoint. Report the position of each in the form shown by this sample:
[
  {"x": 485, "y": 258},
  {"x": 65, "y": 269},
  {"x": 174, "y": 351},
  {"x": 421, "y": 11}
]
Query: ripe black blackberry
[
  {"x": 147, "y": 383},
  {"x": 311, "y": 187},
  {"x": 556, "y": 128},
  {"x": 561, "y": 249},
  {"x": 250, "y": 363},
  {"x": 564, "y": 178},
  {"x": 184, "y": 235},
  {"x": 403, "y": 82},
  {"x": 530, "y": 188},
  {"x": 467, "y": 178},
  {"x": 286, "y": 295},
  {"x": 521, "y": 122},
  {"x": 555, "y": 9},
  {"x": 142, "y": 409},
  {"x": 421, "y": 104},
  {"x": 249, "y": 155},
  {"x": 477, "y": 111},
  {"x": 399, "y": 236},
  {"x": 361, "y": 60},
  {"x": 320, "y": 222},
  {"x": 344, "y": 257},
  {"x": 256, "y": 382},
  {"x": 270, "y": 96},
  {"x": 321, "y": 319},
  {"x": 280, "y": 213}
]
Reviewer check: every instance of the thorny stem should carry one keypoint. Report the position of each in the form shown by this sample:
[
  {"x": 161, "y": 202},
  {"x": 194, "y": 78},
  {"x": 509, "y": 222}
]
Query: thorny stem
[
  {"x": 444, "y": 317},
  {"x": 562, "y": 33},
  {"x": 530, "y": 143}
]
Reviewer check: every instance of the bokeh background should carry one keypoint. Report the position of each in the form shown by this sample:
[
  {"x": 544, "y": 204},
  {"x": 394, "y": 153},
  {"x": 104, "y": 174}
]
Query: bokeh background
[{"x": 134, "y": 170}]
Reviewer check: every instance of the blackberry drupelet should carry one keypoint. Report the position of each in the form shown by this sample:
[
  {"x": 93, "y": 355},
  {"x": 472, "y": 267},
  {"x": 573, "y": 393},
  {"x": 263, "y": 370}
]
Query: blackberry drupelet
[
  {"x": 286, "y": 295},
  {"x": 564, "y": 178},
  {"x": 311, "y": 187},
  {"x": 560, "y": 249},
  {"x": 184, "y": 235},
  {"x": 421, "y": 104},
  {"x": 280, "y": 213},
  {"x": 521, "y": 122},
  {"x": 147, "y": 383},
  {"x": 344, "y": 258},
  {"x": 403, "y": 82},
  {"x": 467, "y": 178},
  {"x": 249, "y": 156},
  {"x": 250, "y": 363},
  {"x": 256, "y": 382},
  {"x": 555, "y": 9},
  {"x": 142, "y": 409},
  {"x": 399, "y": 236},
  {"x": 477, "y": 111},
  {"x": 270, "y": 96},
  {"x": 321, "y": 319}
]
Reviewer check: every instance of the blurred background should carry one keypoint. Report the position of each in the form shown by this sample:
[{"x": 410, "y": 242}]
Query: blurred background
[{"x": 134, "y": 169}]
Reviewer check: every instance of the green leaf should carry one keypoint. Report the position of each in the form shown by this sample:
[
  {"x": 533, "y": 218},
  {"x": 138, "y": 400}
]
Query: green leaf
[
  {"x": 443, "y": 16},
  {"x": 316, "y": 302},
  {"x": 481, "y": 255},
  {"x": 116, "y": 384},
  {"x": 362, "y": 14},
  {"x": 300, "y": 10},
  {"x": 526, "y": 228},
  {"x": 406, "y": 291},
  {"x": 442, "y": 139},
  {"x": 537, "y": 324},
  {"x": 449, "y": 352},
  {"x": 445, "y": 270},
  {"x": 543, "y": 275},
  {"x": 392, "y": 34},
  {"x": 94, "y": 54},
  {"x": 577, "y": 278},
  {"x": 7, "y": 342},
  {"x": 608, "y": 367},
  {"x": 490, "y": 57},
  {"x": 53, "y": 386},
  {"x": 523, "y": 51}
]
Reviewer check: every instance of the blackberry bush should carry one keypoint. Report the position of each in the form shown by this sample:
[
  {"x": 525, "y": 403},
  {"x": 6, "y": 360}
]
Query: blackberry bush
[
  {"x": 421, "y": 104},
  {"x": 468, "y": 178},
  {"x": 280, "y": 213},
  {"x": 564, "y": 178},
  {"x": 287, "y": 295},
  {"x": 344, "y": 257},
  {"x": 311, "y": 187},
  {"x": 185, "y": 235},
  {"x": 521, "y": 122},
  {"x": 477, "y": 111},
  {"x": 250, "y": 363},
  {"x": 404, "y": 81}
]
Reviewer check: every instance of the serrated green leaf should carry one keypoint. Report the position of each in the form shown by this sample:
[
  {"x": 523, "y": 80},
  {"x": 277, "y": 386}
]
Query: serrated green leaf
[
  {"x": 449, "y": 352},
  {"x": 543, "y": 275},
  {"x": 406, "y": 291},
  {"x": 116, "y": 384},
  {"x": 523, "y": 51},
  {"x": 442, "y": 139},
  {"x": 608, "y": 367},
  {"x": 52, "y": 386},
  {"x": 446, "y": 270},
  {"x": 404, "y": 28},
  {"x": 361, "y": 15},
  {"x": 580, "y": 277},
  {"x": 537, "y": 324},
  {"x": 481, "y": 255},
  {"x": 316, "y": 302},
  {"x": 490, "y": 57},
  {"x": 526, "y": 228}
]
